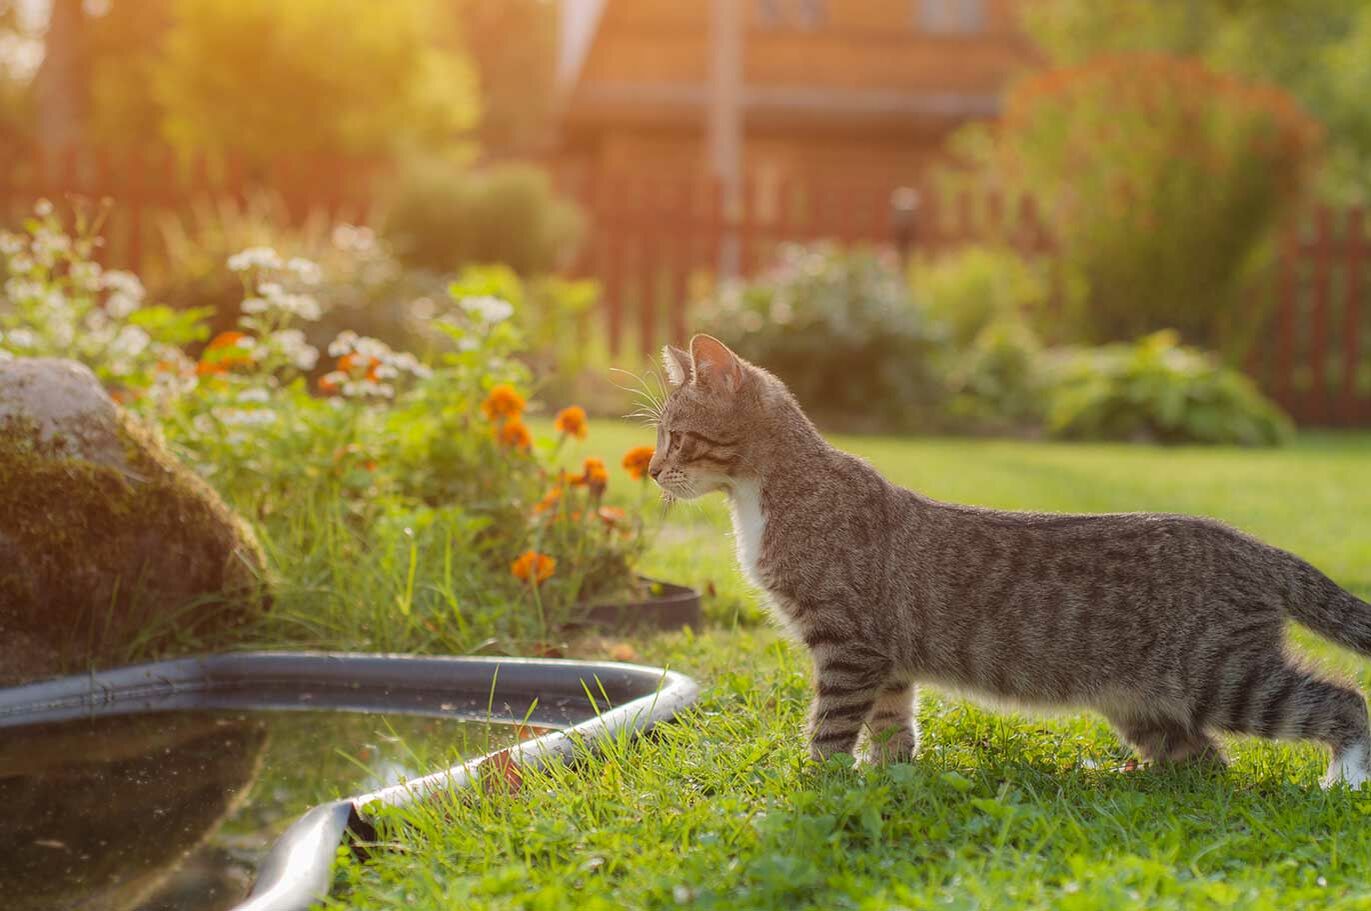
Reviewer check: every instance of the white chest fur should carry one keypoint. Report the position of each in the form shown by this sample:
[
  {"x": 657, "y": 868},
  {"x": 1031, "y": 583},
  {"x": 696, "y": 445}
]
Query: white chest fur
[{"x": 745, "y": 503}]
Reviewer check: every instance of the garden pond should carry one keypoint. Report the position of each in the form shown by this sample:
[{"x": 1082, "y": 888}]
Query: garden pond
[{"x": 173, "y": 811}]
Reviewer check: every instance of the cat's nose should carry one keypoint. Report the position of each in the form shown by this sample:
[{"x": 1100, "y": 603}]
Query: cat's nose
[{"x": 654, "y": 470}]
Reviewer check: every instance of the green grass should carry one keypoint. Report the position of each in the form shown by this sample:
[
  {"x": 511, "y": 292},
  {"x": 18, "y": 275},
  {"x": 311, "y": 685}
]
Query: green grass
[{"x": 723, "y": 810}]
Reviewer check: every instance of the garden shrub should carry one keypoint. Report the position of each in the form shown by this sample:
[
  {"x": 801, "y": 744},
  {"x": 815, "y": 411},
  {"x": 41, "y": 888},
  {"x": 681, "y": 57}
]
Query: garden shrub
[
  {"x": 1161, "y": 183},
  {"x": 1158, "y": 390},
  {"x": 996, "y": 381},
  {"x": 985, "y": 298},
  {"x": 969, "y": 289},
  {"x": 443, "y": 217},
  {"x": 842, "y": 330}
]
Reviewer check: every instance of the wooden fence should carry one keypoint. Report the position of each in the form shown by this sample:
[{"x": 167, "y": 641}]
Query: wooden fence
[{"x": 656, "y": 242}]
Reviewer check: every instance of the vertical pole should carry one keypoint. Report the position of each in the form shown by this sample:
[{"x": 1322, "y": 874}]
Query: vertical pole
[{"x": 724, "y": 128}]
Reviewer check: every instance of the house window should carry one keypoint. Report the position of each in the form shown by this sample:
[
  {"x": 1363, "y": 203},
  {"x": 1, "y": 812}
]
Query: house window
[
  {"x": 950, "y": 17},
  {"x": 791, "y": 13}
]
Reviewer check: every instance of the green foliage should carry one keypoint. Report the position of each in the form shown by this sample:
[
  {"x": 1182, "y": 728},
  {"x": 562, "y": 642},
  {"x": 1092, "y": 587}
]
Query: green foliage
[
  {"x": 252, "y": 76},
  {"x": 843, "y": 332},
  {"x": 1317, "y": 49},
  {"x": 1161, "y": 182},
  {"x": 548, "y": 309},
  {"x": 984, "y": 297},
  {"x": 442, "y": 218},
  {"x": 57, "y": 301},
  {"x": 1158, "y": 390},
  {"x": 968, "y": 290},
  {"x": 997, "y": 381}
]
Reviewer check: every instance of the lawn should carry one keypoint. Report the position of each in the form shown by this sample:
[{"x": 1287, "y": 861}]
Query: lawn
[{"x": 725, "y": 810}]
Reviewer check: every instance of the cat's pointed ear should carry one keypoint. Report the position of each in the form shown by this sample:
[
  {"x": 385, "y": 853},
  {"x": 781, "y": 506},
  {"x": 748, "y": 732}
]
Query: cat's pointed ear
[
  {"x": 716, "y": 368},
  {"x": 677, "y": 365}
]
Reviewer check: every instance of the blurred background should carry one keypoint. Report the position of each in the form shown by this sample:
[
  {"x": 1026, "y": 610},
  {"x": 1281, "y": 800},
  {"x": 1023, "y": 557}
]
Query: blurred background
[{"x": 1134, "y": 218}]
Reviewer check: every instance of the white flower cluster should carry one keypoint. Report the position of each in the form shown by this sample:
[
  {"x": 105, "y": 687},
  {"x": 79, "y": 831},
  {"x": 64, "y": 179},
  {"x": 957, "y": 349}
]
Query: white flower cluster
[
  {"x": 371, "y": 367},
  {"x": 272, "y": 297},
  {"x": 486, "y": 309},
  {"x": 291, "y": 345},
  {"x": 125, "y": 292},
  {"x": 255, "y": 258},
  {"x": 354, "y": 238}
]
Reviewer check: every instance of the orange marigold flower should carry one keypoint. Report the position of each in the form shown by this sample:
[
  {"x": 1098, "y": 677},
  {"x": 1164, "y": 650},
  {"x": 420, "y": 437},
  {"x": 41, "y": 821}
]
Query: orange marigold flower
[
  {"x": 637, "y": 460},
  {"x": 515, "y": 433},
  {"x": 504, "y": 401},
  {"x": 549, "y": 501},
  {"x": 595, "y": 475},
  {"x": 533, "y": 567},
  {"x": 225, "y": 350},
  {"x": 611, "y": 515},
  {"x": 225, "y": 340},
  {"x": 572, "y": 422}
]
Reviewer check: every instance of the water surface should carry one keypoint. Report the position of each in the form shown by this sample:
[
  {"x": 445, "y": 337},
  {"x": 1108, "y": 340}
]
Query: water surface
[{"x": 173, "y": 811}]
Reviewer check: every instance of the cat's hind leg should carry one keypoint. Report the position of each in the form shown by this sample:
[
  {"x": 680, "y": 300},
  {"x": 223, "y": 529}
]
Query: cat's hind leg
[
  {"x": 892, "y": 729},
  {"x": 1168, "y": 741}
]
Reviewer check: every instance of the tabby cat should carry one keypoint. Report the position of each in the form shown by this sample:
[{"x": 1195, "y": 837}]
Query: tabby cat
[{"x": 1172, "y": 627}]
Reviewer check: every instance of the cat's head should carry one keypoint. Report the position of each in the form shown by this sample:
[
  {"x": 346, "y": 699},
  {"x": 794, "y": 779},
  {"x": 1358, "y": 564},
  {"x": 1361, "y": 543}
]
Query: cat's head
[{"x": 707, "y": 435}]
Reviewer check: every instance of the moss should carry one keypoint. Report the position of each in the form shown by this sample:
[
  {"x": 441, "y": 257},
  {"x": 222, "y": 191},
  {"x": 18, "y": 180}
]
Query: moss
[{"x": 98, "y": 561}]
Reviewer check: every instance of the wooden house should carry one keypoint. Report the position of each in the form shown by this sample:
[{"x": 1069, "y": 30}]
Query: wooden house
[{"x": 778, "y": 89}]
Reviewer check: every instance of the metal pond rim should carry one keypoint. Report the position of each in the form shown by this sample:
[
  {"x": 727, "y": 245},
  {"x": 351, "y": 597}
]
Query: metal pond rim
[{"x": 618, "y": 699}]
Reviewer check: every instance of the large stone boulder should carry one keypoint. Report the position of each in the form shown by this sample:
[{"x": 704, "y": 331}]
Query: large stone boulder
[{"x": 107, "y": 543}]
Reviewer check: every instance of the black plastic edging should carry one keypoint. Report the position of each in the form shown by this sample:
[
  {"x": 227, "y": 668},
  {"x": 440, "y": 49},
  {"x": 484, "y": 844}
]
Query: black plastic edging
[{"x": 616, "y": 698}]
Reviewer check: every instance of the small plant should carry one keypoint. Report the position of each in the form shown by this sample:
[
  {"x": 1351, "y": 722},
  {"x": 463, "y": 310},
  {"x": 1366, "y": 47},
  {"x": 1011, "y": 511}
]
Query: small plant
[
  {"x": 842, "y": 330},
  {"x": 1157, "y": 390}
]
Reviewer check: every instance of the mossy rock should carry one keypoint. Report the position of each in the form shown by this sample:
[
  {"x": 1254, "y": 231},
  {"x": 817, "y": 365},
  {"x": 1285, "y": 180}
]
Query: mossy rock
[{"x": 110, "y": 549}]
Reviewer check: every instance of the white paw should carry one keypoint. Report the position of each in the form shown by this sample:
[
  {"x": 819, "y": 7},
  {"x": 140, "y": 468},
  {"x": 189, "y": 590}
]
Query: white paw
[{"x": 1351, "y": 767}]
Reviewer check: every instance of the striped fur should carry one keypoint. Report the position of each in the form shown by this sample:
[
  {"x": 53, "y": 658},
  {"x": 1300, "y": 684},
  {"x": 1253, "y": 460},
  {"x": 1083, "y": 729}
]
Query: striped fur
[{"x": 1173, "y": 627}]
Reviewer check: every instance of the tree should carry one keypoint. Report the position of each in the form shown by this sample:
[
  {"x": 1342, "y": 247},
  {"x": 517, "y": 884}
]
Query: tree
[
  {"x": 1319, "y": 50},
  {"x": 265, "y": 78}
]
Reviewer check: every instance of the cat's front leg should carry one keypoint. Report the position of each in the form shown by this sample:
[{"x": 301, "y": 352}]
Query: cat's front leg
[
  {"x": 846, "y": 690},
  {"x": 892, "y": 731}
]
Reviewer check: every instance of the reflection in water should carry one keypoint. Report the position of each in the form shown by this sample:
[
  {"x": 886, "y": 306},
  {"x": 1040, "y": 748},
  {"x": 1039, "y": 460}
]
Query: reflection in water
[{"x": 172, "y": 812}]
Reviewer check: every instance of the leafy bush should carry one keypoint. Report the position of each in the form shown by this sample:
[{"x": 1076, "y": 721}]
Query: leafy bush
[
  {"x": 1158, "y": 390},
  {"x": 843, "y": 332},
  {"x": 968, "y": 290},
  {"x": 442, "y": 218},
  {"x": 996, "y": 382},
  {"x": 1161, "y": 183},
  {"x": 984, "y": 297}
]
